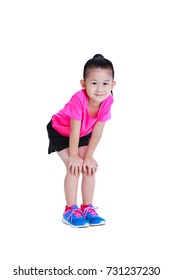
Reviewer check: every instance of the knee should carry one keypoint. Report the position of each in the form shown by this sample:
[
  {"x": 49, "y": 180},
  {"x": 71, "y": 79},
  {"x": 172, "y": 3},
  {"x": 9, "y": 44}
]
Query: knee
[{"x": 75, "y": 173}]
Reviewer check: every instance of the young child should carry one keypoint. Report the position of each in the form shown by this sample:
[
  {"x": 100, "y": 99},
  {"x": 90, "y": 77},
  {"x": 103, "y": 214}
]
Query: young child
[{"x": 74, "y": 133}]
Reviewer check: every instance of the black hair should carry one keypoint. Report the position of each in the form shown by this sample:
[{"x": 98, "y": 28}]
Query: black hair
[{"x": 98, "y": 61}]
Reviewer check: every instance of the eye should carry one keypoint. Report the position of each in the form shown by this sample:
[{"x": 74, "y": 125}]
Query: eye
[
  {"x": 106, "y": 84},
  {"x": 93, "y": 83}
]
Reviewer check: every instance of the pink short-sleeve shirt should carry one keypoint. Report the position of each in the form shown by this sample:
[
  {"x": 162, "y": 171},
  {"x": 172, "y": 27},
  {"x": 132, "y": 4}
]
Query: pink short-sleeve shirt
[{"x": 77, "y": 109}]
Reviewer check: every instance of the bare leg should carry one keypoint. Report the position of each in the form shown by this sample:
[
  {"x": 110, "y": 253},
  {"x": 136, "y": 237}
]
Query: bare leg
[
  {"x": 88, "y": 186},
  {"x": 70, "y": 181},
  {"x": 88, "y": 182}
]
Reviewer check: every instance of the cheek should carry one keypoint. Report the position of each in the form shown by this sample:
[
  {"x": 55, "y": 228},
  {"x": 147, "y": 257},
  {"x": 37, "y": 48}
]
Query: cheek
[
  {"x": 90, "y": 90},
  {"x": 110, "y": 88}
]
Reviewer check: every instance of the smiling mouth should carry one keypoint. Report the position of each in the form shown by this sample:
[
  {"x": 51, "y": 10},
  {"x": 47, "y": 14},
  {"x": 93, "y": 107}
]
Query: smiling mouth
[{"x": 98, "y": 94}]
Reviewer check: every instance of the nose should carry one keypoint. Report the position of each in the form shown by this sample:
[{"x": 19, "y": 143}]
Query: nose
[{"x": 99, "y": 89}]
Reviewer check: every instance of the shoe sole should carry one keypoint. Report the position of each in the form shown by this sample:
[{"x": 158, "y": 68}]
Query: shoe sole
[
  {"x": 68, "y": 223},
  {"x": 100, "y": 224}
]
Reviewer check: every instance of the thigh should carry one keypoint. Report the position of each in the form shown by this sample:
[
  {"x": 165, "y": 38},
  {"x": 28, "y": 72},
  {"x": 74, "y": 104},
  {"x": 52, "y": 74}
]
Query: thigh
[
  {"x": 82, "y": 151},
  {"x": 64, "y": 155}
]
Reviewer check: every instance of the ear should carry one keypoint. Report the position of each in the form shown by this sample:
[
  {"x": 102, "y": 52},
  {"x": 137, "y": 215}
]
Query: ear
[
  {"x": 113, "y": 84},
  {"x": 83, "y": 83}
]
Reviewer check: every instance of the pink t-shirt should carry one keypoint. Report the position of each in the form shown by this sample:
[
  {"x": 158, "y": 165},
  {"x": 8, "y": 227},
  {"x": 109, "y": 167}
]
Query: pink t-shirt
[{"x": 77, "y": 109}]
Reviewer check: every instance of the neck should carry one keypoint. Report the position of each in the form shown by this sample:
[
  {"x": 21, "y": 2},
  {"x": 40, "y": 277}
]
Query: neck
[
  {"x": 93, "y": 108},
  {"x": 93, "y": 104}
]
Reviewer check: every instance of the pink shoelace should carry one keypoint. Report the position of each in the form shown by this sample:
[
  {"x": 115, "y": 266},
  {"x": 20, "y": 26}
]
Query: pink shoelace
[
  {"x": 76, "y": 212},
  {"x": 91, "y": 210}
]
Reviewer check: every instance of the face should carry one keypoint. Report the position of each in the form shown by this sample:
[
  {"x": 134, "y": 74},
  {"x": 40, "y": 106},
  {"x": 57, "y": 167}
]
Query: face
[{"x": 98, "y": 84}]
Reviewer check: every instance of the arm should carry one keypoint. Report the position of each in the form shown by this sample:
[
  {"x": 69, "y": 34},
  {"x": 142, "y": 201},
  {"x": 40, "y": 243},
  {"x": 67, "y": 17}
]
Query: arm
[
  {"x": 75, "y": 162},
  {"x": 90, "y": 165}
]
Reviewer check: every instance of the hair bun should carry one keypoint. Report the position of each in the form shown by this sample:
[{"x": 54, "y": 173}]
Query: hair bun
[
  {"x": 98, "y": 61},
  {"x": 97, "y": 56}
]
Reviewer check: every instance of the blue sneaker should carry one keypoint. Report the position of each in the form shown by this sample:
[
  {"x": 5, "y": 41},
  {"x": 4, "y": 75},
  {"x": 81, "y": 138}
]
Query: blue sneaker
[
  {"x": 91, "y": 215},
  {"x": 74, "y": 217}
]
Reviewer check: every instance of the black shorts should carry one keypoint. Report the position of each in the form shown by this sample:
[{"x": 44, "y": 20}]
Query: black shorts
[{"x": 58, "y": 142}]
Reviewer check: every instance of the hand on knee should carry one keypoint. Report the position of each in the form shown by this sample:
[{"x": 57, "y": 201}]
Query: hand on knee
[
  {"x": 90, "y": 166},
  {"x": 75, "y": 164}
]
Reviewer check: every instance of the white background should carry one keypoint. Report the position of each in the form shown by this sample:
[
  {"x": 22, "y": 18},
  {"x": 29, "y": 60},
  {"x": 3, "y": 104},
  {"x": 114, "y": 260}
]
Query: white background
[{"x": 44, "y": 46}]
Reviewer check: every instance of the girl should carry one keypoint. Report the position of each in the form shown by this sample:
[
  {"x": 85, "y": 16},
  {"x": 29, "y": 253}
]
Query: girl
[{"x": 74, "y": 133}]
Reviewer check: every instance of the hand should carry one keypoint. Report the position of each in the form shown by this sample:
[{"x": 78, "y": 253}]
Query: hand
[
  {"x": 75, "y": 165},
  {"x": 90, "y": 165}
]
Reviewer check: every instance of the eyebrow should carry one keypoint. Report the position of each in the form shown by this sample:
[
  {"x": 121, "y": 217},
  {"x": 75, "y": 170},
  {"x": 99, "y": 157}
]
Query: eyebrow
[{"x": 103, "y": 81}]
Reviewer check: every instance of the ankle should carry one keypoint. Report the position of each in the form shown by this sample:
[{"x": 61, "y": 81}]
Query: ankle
[
  {"x": 67, "y": 208},
  {"x": 83, "y": 206}
]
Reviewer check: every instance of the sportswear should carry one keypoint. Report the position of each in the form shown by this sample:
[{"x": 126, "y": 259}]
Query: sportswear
[
  {"x": 74, "y": 217},
  {"x": 91, "y": 215},
  {"x": 77, "y": 109}
]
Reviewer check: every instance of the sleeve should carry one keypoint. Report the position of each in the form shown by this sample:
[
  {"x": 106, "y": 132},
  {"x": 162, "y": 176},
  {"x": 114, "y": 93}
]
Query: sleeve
[
  {"x": 73, "y": 108},
  {"x": 105, "y": 112}
]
